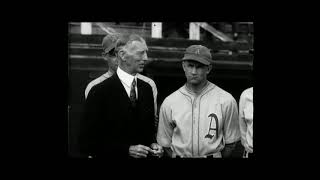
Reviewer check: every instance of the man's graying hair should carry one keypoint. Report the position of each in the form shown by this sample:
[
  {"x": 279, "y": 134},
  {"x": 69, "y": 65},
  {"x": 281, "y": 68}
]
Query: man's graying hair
[{"x": 127, "y": 39}]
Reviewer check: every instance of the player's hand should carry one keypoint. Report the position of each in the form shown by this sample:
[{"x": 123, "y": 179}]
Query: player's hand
[
  {"x": 139, "y": 151},
  {"x": 157, "y": 150}
]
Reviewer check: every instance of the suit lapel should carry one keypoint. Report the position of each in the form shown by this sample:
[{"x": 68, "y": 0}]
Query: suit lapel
[
  {"x": 120, "y": 90},
  {"x": 140, "y": 90}
]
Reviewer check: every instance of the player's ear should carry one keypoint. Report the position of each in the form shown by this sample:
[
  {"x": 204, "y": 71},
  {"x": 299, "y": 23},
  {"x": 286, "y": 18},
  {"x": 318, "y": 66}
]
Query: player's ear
[
  {"x": 209, "y": 68},
  {"x": 183, "y": 65},
  {"x": 104, "y": 56}
]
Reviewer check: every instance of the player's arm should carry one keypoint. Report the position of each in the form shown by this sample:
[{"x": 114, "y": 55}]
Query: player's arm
[
  {"x": 156, "y": 116},
  {"x": 165, "y": 129},
  {"x": 87, "y": 90},
  {"x": 155, "y": 95},
  {"x": 242, "y": 123},
  {"x": 231, "y": 127}
]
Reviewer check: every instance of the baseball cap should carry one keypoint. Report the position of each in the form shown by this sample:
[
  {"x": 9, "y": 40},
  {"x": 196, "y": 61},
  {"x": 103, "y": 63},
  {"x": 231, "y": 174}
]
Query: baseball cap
[
  {"x": 109, "y": 42},
  {"x": 198, "y": 53}
]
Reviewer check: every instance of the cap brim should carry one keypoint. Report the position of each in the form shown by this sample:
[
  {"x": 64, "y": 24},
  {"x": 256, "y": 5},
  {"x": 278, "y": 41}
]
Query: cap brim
[
  {"x": 106, "y": 50},
  {"x": 196, "y": 58}
]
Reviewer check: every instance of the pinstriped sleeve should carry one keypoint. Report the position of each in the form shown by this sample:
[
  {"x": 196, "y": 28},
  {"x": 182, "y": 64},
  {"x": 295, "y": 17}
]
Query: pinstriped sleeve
[
  {"x": 155, "y": 94},
  {"x": 165, "y": 130},
  {"x": 231, "y": 128},
  {"x": 242, "y": 123},
  {"x": 88, "y": 88}
]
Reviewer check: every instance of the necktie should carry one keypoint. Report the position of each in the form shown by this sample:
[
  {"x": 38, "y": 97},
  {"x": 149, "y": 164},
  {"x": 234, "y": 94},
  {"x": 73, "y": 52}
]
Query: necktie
[{"x": 133, "y": 96}]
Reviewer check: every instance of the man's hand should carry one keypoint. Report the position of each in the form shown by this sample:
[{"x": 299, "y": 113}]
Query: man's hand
[
  {"x": 139, "y": 151},
  {"x": 157, "y": 150}
]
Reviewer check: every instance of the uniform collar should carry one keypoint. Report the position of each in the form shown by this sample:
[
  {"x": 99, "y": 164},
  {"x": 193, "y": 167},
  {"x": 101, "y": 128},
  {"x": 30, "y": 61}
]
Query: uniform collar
[
  {"x": 125, "y": 77},
  {"x": 207, "y": 88}
]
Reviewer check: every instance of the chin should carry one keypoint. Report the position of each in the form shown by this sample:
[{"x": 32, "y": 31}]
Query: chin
[
  {"x": 140, "y": 70},
  {"x": 194, "y": 82}
]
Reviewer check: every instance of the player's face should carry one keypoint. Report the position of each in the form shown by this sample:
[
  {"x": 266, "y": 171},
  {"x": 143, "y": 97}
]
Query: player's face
[
  {"x": 112, "y": 60},
  {"x": 136, "y": 56},
  {"x": 196, "y": 73}
]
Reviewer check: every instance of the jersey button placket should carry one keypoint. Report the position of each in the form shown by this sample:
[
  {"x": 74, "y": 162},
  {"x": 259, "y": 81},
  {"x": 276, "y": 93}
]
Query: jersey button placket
[
  {"x": 193, "y": 124},
  {"x": 195, "y": 120}
]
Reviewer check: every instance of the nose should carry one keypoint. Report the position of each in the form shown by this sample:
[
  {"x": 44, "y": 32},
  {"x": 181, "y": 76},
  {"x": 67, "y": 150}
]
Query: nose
[
  {"x": 193, "y": 70},
  {"x": 145, "y": 57}
]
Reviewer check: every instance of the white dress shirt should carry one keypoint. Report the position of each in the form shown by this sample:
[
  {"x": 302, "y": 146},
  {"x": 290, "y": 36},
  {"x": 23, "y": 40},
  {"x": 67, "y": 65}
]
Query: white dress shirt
[{"x": 126, "y": 80}]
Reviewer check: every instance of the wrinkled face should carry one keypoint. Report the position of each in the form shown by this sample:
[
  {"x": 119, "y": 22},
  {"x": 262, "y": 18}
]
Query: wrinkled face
[
  {"x": 135, "y": 56},
  {"x": 196, "y": 73}
]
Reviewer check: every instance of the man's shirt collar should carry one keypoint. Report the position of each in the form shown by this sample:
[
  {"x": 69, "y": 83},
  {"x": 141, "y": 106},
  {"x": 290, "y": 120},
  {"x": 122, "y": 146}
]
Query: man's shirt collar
[{"x": 125, "y": 77}]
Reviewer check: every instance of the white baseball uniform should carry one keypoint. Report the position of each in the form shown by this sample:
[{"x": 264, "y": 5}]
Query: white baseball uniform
[
  {"x": 246, "y": 119},
  {"x": 198, "y": 125}
]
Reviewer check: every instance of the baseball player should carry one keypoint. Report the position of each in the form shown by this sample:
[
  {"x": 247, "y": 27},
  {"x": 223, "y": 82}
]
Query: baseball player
[
  {"x": 246, "y": 121},
  {"x": 199, "y": 119},
  {"x": 108, "y": 54}
]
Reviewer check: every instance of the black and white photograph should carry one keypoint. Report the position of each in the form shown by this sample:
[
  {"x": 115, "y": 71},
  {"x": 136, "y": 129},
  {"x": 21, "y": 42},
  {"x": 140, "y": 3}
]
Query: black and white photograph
[{"x": 160, "y": 90}]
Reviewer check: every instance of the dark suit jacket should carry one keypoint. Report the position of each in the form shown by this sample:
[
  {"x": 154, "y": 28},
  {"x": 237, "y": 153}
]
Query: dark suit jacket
[{"x": 111, "y": 124}]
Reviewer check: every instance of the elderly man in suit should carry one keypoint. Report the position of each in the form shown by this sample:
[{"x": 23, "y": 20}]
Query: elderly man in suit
[{"x": 119, "y": 115}]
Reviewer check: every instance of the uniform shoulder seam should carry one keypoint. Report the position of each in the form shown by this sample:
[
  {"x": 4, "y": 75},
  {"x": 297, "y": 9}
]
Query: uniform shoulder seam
[{"x": 144, "y": 78}]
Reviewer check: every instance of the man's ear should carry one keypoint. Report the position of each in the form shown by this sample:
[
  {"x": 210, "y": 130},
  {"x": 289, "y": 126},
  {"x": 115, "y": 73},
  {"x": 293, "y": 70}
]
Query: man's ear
[
  {"x": 121, "y": 55},
  {"x": 209, "y": 68},
  {"x": 104, "y": 56}
]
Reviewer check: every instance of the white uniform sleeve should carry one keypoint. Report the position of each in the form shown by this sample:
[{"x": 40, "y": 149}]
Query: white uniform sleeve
[
  {"x": 155, "y": 95},
  {"x": 88, "y": 88},
  {"x": 242, "y": 123},
  {"x": 231, "y": 130},
  {"x": 165, "y": 128},
  {"x": 90, "y": 85}
]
